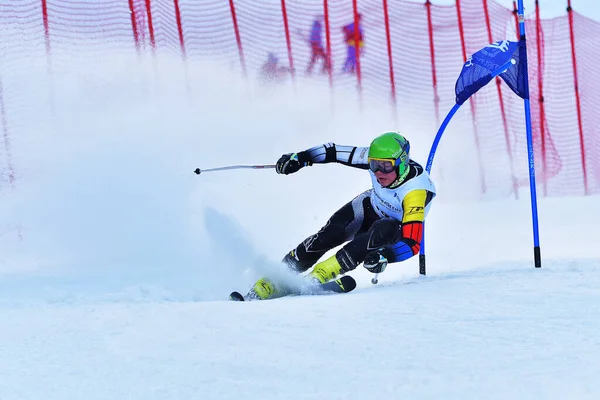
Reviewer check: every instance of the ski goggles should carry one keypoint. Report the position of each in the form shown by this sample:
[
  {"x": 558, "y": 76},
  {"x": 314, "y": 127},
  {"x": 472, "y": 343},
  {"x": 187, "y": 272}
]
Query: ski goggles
[{"x": 384, "y": 165}]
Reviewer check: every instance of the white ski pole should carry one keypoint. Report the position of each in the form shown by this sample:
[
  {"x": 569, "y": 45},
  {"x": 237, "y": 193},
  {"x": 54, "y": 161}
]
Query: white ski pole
[{"x": 197, "y": 171}]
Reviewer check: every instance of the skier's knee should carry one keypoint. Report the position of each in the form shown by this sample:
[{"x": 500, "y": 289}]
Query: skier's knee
[{"x": 383, "y": 232}]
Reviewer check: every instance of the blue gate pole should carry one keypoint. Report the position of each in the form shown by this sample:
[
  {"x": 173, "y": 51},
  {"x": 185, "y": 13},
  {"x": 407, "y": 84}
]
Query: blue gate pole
[{"x": 537, "y": 258}]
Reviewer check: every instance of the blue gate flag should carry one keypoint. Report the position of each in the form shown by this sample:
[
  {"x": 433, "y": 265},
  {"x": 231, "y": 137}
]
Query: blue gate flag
[
  {"x": 516, "y": 78},
  {"x": 493, "y": 60}
]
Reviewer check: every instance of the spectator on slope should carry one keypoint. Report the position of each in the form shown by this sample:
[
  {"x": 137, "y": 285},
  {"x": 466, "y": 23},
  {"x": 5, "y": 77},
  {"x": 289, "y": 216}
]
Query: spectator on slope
[
  {"x": 351, "y": 36},
  {"x": 383, "y": 224},
  {"x": 316, "y": 46},
  {"x": 272, "y": 72}
]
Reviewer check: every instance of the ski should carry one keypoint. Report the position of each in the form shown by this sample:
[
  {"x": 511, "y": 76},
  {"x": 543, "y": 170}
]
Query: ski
[
  {"x": 344, "y": 284},
  {"x": 236, "y": 296}
]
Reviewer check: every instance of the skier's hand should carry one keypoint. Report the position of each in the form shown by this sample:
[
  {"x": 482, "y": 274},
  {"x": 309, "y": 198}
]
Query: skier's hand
[
  {"x": 291, "y": 162},
  {"x": 375, "y": 262}
]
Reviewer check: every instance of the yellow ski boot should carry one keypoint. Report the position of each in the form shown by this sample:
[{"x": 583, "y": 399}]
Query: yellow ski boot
[
  {"x": 263, "y": 289},
  {"x": 326, "y": 270}
]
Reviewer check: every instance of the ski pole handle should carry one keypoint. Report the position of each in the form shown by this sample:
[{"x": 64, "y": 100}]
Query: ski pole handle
[{"x": 197, "y": 171}]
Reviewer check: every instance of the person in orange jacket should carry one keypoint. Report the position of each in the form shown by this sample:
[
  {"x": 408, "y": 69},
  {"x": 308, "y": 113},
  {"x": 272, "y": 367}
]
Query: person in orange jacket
[{"x": 350, "y": 37}]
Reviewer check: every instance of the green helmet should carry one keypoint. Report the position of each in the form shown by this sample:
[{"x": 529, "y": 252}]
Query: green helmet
[{"x": 390, "y": 146}]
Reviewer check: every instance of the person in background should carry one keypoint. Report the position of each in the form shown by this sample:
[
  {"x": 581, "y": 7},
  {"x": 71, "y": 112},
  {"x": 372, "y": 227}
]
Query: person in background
[
  {"x": 351, "y": 34},
  {"x": 272, "y": 72},
  {"x": 315, "y": 40}
]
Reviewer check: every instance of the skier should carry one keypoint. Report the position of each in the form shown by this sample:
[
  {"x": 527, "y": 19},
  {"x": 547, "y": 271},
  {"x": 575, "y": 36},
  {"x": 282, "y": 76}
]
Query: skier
[
  {"x": 316, "y": 47},
  {"x": 383, "y": 224},
  {"x": 272, "y": 72},
  {"x": 351, "y": 35}
]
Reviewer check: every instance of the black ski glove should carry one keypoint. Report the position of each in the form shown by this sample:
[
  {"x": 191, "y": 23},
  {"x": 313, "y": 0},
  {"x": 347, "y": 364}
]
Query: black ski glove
[
  {"x": 292, "y": 162},
  {"x": 375, "y": 262}
]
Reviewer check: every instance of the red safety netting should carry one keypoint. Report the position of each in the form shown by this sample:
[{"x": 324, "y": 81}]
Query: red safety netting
[{"x": 412, "y": 55}]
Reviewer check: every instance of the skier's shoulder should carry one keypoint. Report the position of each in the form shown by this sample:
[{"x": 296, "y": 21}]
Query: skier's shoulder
[
  {"x": 417, "y": 178},
  {"x": 415, "y": 171}
]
